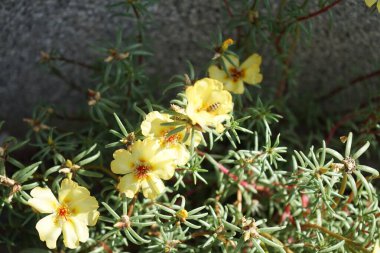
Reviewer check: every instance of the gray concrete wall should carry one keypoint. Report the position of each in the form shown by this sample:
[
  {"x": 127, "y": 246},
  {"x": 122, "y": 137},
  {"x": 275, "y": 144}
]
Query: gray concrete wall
[{"x": 337, "y": 52}]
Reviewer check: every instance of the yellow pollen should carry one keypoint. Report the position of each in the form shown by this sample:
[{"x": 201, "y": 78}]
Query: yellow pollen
[
  {"x": 182, "y": 214},
  {"x": 63, "y": 212},
  {"x": 172, "y": 138}
]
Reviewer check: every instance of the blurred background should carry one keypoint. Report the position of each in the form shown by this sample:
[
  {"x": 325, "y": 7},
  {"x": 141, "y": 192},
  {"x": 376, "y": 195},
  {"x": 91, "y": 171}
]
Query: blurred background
[{"x": 342, "y": 46}]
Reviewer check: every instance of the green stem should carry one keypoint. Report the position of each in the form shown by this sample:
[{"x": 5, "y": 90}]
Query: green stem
[
  {"x": 272, "y": 238},
  {"x": 336, "y": 236},
  {"x": 341, "y": 190},
  {"x": 106, "y": 171}
]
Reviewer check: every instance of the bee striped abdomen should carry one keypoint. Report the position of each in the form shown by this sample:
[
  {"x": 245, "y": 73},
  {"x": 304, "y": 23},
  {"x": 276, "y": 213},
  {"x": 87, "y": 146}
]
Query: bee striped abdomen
[{"x": 213, "y": 107}]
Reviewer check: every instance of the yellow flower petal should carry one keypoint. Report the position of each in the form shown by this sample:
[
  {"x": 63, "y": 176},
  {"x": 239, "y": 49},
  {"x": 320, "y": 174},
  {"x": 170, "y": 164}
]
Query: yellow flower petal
[
  {"x": 81, "y": 229},
  {"x": 231, "y": 62},
  {"x": 229, "y": 85},
  {"x": 70, "y": 237},
  {"x": 70, "y": 191},
  {"x": 150, "y": 160},
  {"x": 89, "y": 218},
  {"x": 378, "y": 6},
  {"x": 83, "y": 205},
  {"x": 123, "y": 162},
  {"x": 237, "y": 87},
  {"x": 129, "y": 185},
  {"x": 377, "y": 247},
  {"x": 152, "y": 187},
  {"x": 233, "y": 80},
  {"x": 251, "y": 68},
  {"x": 369, "y": 3},
  {"x": 164, "y": 163},
  {"x": 151, "y": 126},
  {"x": 75, "y": 210},
  {"x": 208, "y": 104},
  {"x": 142, "y": 150},
  {"x": 181, "y": 156},
  {"x": 201, "y": 90},
  {"x": 219, "y": 128},
  {"x": 197, "y": 139},
  {"x": 43, "y": 200},
  {"x": 252, "y": 61},
  {"x": 253, "y": 77},
  {"x": 49, "y": 230},
  {"x": 92, "y": 218},
  {"x": 216, "y": 73}
]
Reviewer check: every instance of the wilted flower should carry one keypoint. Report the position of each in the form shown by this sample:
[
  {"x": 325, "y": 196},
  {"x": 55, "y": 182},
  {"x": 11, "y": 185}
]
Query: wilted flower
[
  {"x": 237, "y": 74},
  {"x": 36, "y": 125},
  {"x": 113, "y": 54},
  {"x": 208, "y": 104},
  {"x": 249, "y": 228},
  {"x": 225, "y": 45},
  {"x": 220, "y": 50},
  {"x": 152, "y": 127},
  {"x": 370, "y": 3},
  {"x": 74, "y": 210},
  {"x": 69, "y": 167},
  {"x": 144, "y": 166},
  {"x": 93, "y": 97}
]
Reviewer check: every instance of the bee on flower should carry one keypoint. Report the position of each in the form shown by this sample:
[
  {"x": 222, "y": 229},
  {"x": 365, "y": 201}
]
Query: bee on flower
[
  {"x": 153, "y": 126},
  {"x": 370, "y": 3},
  {"x": 235, "y": 75},
  {"x": 74, "y": 210},
  {"x": 144, "y": 166},
  {"x": 208, "y": 104}
]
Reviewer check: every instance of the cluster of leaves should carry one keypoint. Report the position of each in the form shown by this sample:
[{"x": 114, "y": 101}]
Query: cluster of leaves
[{"x": 241, "y": 191}]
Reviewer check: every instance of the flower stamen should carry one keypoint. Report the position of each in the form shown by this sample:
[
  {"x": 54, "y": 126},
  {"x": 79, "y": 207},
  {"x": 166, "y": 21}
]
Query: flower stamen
[
  {"x": 63, "y": 212},
  {"x": 236, "y": 74},
  {"x": 141, "y": 171}
]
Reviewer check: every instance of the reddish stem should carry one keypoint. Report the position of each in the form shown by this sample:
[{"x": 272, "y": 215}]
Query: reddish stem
[
  {"x": 71, "y": 61},
  {"x": 352, "y": 83},
  {"x": 345, "y": 118},
  {"x": 228, "y": 8},
  {"x": 234, "y": 177},
  {"x": 349, "y": 116},
  {"x": 316, "y": 13},
  {"x": 277, "y": 41}
]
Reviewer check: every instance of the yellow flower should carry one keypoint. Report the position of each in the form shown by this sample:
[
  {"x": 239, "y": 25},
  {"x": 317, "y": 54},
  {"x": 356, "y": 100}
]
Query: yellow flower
[
  {"x": 370, "y": 3},
  {"x": 74, "y": 210},
  {"x": 144, "y": 166},
  {"x": 208, "y": 105},
  {"x": 377, "y": 247},
  {"x": 152, "y": 127},
  {"x": 236, "y": 75}
]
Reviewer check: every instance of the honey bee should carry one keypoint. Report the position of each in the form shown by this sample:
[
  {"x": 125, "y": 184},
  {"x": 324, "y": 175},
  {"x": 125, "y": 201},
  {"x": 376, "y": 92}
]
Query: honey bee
[{"x": 213, "y": 107}]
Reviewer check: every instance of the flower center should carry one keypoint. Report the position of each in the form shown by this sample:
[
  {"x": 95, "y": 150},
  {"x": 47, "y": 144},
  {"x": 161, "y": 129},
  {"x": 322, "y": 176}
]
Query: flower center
[
  {"x": 174, "y": 138},
  {"x": 182, "y": 214},
  {"x": 141, "y": 171},
  {"x": 236, "y": 74},
  {"x": 349, "y": 165},
  {"x": 63, "y": 212}
]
